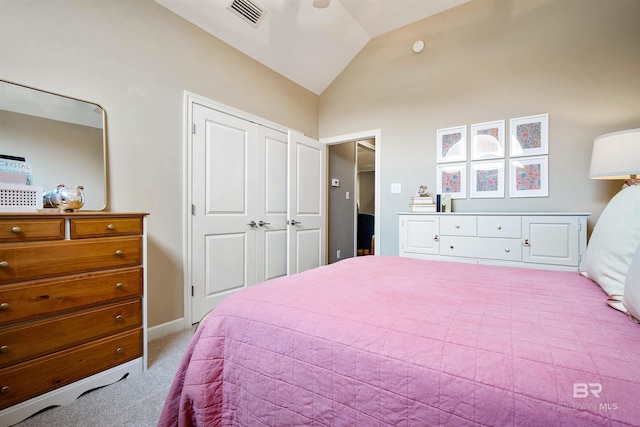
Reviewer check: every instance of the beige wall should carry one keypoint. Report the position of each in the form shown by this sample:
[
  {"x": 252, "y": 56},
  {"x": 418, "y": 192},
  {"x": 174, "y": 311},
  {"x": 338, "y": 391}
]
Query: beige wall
[
  {"x": 136, "y": 58},
  {"x": 486, "y": 60}
]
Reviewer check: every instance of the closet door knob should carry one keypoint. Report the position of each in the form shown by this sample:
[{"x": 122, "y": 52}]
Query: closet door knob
[
  {"x": 251, "y": 224},
  {"x": 262, "y": 223},
  {"x": 436, "y": 237},
  {"x": 526, "y": 242},
  {"x": 294, "y": 222}
]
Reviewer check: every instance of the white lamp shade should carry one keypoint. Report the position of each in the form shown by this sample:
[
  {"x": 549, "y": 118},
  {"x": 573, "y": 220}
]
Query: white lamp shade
[{"x": 616, "y": 155}]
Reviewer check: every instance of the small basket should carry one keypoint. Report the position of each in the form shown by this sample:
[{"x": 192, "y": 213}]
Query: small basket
[{"x": 20, "y": 198}]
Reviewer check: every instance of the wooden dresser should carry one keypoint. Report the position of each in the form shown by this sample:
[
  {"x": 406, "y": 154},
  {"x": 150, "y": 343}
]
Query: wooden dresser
[{"x": 72, "y": 306}]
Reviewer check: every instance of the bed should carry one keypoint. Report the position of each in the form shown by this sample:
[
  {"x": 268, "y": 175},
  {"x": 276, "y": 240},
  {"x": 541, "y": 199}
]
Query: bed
[{"x": 389, "y": 341}]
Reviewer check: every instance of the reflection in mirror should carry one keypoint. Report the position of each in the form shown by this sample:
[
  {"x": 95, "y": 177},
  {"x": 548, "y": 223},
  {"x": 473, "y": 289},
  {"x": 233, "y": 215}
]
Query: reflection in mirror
[{"x": 62, "y": 138}]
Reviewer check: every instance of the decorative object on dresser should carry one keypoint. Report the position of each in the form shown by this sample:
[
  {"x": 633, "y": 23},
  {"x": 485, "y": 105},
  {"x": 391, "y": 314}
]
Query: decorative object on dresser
[
  {"x": 534, "y": 240},
  {"x": 65, "y": 199},
  {"x": 422, "y": 201},
  {"x": 72, "y": 306}
]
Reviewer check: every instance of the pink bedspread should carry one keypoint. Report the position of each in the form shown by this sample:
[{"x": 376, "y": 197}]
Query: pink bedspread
[{"x": 387, "y": 341}]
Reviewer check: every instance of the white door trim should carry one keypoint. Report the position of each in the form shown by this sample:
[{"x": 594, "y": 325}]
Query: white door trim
[{"x": 376, "y": 135}]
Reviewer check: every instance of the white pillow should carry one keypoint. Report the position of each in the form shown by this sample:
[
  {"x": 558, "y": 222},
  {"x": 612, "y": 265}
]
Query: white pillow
[
  {"x": 631, "y": 298},
  {"x": 614, "y": 241}
]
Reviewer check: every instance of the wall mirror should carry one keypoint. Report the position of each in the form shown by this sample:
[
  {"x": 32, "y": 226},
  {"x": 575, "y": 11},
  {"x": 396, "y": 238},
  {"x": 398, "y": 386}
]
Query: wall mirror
[{"x": 62, "y": 138}]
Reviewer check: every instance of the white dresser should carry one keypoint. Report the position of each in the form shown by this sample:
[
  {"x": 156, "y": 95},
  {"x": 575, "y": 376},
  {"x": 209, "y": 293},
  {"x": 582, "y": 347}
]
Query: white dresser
[{"x": 547, "y": 240}]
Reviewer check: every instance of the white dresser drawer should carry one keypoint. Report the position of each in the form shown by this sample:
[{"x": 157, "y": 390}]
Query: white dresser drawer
[
  {"x": 458, "y": 225},
  {"x": 500, "y": 226},
  {"x": 470, "y": 247}
]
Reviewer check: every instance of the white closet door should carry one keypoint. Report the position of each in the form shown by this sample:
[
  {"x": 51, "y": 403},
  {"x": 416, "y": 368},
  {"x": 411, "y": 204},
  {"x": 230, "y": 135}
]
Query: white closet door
[
  {"x": 223, "y": 241},
  {"x": 270, "y": 193},
  {"x": 307, "y": 202}
]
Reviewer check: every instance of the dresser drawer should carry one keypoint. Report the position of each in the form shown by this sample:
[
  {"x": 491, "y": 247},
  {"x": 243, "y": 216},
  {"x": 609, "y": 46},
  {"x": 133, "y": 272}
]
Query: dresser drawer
[
  {"x": 27, "y": 301},
  {"x": 454, "y": 225},
  {"x": 469, "y": 247},
  {"x": 84, "y": 228},
  {"x": 500, "y": 226},
  {"x": 35, "y": 339},
  {"x": 29, "y": 379},
  {"x": 24, "y": 230},
  {"x": 39, "y": 260}
]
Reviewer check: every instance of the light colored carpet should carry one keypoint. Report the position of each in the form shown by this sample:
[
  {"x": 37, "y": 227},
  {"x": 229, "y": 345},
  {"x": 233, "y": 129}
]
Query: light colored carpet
[{"x": 132, "y": 402}]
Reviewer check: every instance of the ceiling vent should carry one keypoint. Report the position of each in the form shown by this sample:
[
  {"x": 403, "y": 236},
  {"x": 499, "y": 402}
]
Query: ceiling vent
[{"x": 248, "y": 10}]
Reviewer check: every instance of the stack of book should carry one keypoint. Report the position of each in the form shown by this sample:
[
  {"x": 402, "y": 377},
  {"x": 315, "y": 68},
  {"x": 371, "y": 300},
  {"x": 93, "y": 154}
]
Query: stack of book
[{"x": 422, "y": 204}]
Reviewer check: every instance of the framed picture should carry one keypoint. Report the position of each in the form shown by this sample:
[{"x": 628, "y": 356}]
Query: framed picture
[
  {"x": 529, "y": 177},
  {"x": 487, "y": 179},
  {"x": 487, "y": 140},
  {"x": 452, "y": 144},
  {"x": 452, "y": 179},
  {"x": 529, "y": 135}
]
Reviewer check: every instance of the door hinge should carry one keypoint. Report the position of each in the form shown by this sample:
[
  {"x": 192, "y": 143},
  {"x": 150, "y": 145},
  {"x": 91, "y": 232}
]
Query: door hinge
[
  {"x": 193, "y": 291},
  {"x": 193, "y": 210},
  {"x": 193, "y": 128}
]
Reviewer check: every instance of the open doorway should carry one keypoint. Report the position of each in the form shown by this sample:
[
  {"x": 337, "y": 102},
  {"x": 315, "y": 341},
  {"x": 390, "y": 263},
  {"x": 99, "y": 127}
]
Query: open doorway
[
  {"x": 353, "y": 181},
  {"x": 365, "y": 197}
]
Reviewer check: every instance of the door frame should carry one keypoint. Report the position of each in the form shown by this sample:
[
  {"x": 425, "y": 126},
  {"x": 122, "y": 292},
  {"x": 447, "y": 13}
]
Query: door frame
[
  {"x": 376, "y": 135},
  {"x": 189, "y": 99}
]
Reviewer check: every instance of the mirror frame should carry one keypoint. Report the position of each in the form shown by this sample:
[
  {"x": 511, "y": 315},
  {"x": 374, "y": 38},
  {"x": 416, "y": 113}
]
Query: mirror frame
[{"x": 104, "y": 135}]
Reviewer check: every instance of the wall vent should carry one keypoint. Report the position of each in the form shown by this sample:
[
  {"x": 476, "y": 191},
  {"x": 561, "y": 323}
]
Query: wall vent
[{"x": 248, "y": 10}]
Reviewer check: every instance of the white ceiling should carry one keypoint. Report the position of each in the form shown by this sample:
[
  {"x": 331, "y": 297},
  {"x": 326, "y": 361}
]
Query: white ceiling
[{"x": 309, "y": 46}]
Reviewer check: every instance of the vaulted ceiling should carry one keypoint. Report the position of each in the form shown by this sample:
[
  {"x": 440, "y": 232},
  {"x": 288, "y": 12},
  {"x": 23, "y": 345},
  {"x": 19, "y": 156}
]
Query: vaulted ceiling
[{"x": 309, "y": 45}]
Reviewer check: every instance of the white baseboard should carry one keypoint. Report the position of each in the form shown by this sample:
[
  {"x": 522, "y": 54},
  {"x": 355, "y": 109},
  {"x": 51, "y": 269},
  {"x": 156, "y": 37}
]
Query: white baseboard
[{"x": 168, "y": 328}]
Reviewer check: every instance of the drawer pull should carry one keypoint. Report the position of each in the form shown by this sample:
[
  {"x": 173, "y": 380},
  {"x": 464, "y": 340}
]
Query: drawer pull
[
  {"x": 507, "y": 250},
  {"x": 457, "y": 225},
  {"x": 451, "y": 247},
  {"x": 499, "y": 227},
  {"x": 4, "y": 264},
  {"x": 16, "y": 230},
  {"x": 111, "y": 227},
  {"x": 6, "y": 389},
  {"x": 119, "y": 285},
  {"x": 119, "y": 350},
  {"x": 119, "y": 252},
  {"x": 4, "y": 349},
  {"x": 4, "y": 306},
  {"x": 436, "y": 237},
  {"x": 119, "y": 318}
]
